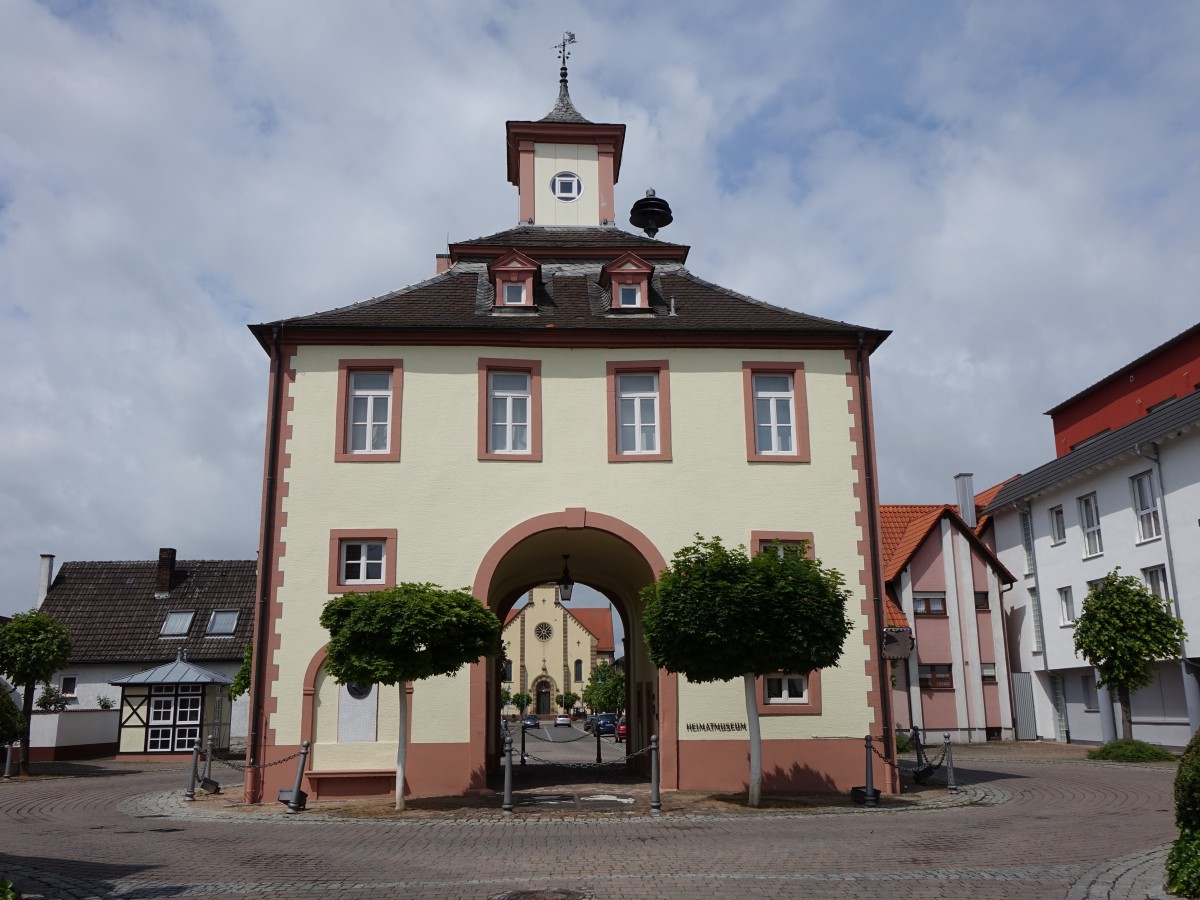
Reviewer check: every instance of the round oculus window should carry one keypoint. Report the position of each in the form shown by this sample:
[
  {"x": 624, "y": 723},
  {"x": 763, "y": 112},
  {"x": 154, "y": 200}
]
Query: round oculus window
[
  {"x": 566, "y": 186},
  {"x": 359, "y": 691},
  {"x": 542, "y": 631}
]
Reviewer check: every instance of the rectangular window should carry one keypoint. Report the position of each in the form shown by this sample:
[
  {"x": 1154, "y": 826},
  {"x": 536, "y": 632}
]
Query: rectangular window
[
  {"x": 1066, "y": 606},
  {"x": 776, "y": 412},
  {"x": 929, "y": 604},
  {"x": 186, "y": 738},
  {"x": 510, "y": 409},
  {"x": 1089, "y": 521},
  {"x": 629, "y": 295},
  {"x": 1027, "y": 540},
  {"x": 368, "y": 408},
  {"x": 1156, "y": 581},
  {"x": 1091, "y": 702},
  {"x": 981, "y": 600},
  {"x": 1145, "y": 506},
  {"x": 177, "y": 623},
  {"x": 987, "y": 672},
  {"x": 159, "y": 740},
  {"x": 1035, "y": 607},
  {"x": 1058, "y": 525},
  {"x": 777, "y": 540},
  {"x": 514, "y": 294},
  {"x": 639, "y": 411},
  {"x": 361, "y": 559},
  {"x": 935, "y": 677},
  {"x": 223, "y": 621},
  {"x": 785, "y": 688},
  {"x": 67, "y": 685}
]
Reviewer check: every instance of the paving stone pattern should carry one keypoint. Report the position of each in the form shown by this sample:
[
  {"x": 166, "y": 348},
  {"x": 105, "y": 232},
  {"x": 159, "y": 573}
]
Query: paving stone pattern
[{"x": 1027, "y": 823}]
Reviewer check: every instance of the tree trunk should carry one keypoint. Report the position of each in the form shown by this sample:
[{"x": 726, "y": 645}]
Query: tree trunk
[
  {"x": 27, "y": 712},
  {"x": 755, "y": 794},
  {"x": 1126, "y": 713},
  {"x": 402, "y": 749}
]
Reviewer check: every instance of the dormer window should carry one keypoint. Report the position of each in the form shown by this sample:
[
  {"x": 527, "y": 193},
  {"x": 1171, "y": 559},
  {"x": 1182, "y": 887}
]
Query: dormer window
[
  {"x": 628, "y": 277},
  {"x": 566, "y": 186},
  {"x": 177, "y": 623},
  {"x": 512, "y": 276}
]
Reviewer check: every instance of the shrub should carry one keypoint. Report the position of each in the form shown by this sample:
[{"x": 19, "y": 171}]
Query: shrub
[
  {"x": 1131, "y": 751},
  {"x": 105, "y": 702},
  {"x": 1183, "y": 866},
  {"x": 1183, "y": 863},
  {"x": 7, "y": 891},
  {"x": 51, "y": 699},
  {"x": 903, "y": 744}
]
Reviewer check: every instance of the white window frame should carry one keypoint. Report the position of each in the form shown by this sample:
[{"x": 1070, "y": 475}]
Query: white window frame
[
  {"x": 1145, "y": 506},
  {"x": 212, "y": 622},
  {"x": 560, "y": 180},
  {"x": 783, "y": 684},
  {"x": 778, "y": 433},
  {"x": 1058, "y": 525},
  {"x": 635, "y": 399},
  {"x": 929, "y": 603},
  {"x": 370, "y": 425},
  {"x": 68, "y": 684},
  {"x": 514, "y": 293},
  {"x": 1156, "y": 581},
  {"x": 176, "y": 616},
  {"x": 1066, "y": 605},
  {"x": 1089, "y": 522},
  {"x": 627, "y": 293},
  {"x": 363, "y": 561},
  {"x": 508, "y": 420}
]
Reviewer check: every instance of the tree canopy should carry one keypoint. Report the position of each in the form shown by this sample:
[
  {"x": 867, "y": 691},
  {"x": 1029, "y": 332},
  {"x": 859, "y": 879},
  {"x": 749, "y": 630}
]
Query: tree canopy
[
  {"x": 1122, "y": 630},
  {"x": 402, "y": 634},
  {"x": 605, "y": 690},
  {"x": 33, "y": 646},
  {"x": 718, "y": 613}
]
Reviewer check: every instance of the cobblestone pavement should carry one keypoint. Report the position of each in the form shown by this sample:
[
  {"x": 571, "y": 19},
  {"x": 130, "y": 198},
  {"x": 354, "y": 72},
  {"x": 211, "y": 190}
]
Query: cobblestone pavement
[{"x": 1029, "y": 822}]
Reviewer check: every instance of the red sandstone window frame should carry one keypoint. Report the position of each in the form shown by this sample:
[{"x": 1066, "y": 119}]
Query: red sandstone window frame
[
  {"x": 340, "y": 536},
  {"x": 346, "y": 367},
  {"x": 803, "y": 451},
  {"x": 761, "y": 540},
  {"x": 530, "y": 367},
  {"x": 661, "y": 369}
]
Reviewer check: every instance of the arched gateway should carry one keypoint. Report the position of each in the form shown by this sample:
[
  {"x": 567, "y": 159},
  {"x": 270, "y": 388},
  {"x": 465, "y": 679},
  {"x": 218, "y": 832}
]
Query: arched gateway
[{"x": 563, "y": 387}]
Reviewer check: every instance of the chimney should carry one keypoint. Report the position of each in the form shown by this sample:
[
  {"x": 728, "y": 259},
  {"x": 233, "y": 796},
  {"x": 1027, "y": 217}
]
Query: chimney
[
  {"x": 165, "y": 573},
  {"x": 443, "y": 263},
  {"x": 964, "y": 487},
  {"x": 46, "y": 573}
]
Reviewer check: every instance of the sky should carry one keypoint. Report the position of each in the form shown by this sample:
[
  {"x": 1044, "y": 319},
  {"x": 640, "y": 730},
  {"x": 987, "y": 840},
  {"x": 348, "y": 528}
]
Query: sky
[{"x": 1011, "y": 188}]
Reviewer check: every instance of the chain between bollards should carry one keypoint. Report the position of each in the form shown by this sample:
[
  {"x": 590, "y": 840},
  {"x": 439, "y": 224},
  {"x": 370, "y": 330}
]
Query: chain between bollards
[
  {"x": 507, "y": 806},
  {"x": 950, "y": 783},
  {"x": 655, "y": 799},
  {"x": 190, "y": 793},
  {"x": 294, "y": 804}
]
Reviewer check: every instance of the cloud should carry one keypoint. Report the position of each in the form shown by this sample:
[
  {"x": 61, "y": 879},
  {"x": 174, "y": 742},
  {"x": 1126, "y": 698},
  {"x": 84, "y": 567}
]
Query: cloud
[{"x": 1009, "y": 187}]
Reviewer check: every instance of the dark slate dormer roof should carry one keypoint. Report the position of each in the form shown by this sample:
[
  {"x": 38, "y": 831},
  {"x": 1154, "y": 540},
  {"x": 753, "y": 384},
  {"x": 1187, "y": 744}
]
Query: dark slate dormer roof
[
  {"x": 113, "y": 616},
  {"x": 564, "y": 110},
  {"x": 564, "y": 240}
]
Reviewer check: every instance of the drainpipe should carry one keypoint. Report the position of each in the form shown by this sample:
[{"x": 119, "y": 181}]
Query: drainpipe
[
  {"x": 1191, "y": 689},
  {"x": 885, "y": 683},
  {"x": 258, "y": 719}
]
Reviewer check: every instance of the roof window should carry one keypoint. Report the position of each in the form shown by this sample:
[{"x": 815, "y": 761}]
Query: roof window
[
  {"x": 223, "y": 622},
  {"x": 177, "y": 623}
]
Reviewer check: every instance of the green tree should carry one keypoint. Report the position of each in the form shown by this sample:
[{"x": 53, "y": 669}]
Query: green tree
[
  {"x": 569, "y": 699},
  {"x": 505, "y": 698},
  {"x": 521, "y": 701},
  {"x": 32, "y": 647},
  {"x": 1123, "y": 630},
  {"x": 12, "y": 723},
  {"x": 718, "y": 613},
  {"x": 402, "y": 634},
  {"x": 605, "y": 690},
  {"x": 241, "y": 681}
]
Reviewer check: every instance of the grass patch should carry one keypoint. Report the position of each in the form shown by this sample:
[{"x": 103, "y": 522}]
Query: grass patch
[{"x": 1131, "y": 751}]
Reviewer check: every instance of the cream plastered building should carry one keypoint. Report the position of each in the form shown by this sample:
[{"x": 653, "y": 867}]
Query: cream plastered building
[
  {"x": 560, "y": 388},
  {"x": 551, "y": 650}
]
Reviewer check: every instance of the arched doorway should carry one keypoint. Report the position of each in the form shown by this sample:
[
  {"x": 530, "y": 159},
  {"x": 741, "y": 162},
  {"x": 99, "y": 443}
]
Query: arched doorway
[
  {"x": 615, "y": 559},
  {"x": 542, "y": 693}
]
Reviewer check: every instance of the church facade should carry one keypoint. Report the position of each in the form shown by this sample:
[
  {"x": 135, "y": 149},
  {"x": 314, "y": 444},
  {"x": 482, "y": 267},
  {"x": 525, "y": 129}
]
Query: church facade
[{"x": 560, "y": 388}]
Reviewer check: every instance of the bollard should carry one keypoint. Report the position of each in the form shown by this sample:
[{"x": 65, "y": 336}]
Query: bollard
[
  {"x": 190, "y": 793},
  {"x": 953, "y": 788},
  {"x": 915, "y": 739},
  {"x": 655, "y": 799},
  {"x": 522, "y": 743},
  {"x": 596, "y": 728},
  {"x": 208, "y": 759},
  {"x": 295, "y": 804},
  {"x": 507, "y": 806},
  {"x": 8, "y": 763},
  {"x": 869, "y": 800}
]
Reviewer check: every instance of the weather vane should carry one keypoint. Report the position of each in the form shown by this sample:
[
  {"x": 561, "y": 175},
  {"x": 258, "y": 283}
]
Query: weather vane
[{"x": 567, "y": 40}]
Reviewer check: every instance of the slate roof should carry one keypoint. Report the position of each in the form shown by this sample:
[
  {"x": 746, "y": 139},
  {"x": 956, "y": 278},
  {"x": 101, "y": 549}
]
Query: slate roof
[
  {"x": 570, "y": 297},
  {"x": 904, "y": 529},
  {"x": 559, "y": 238},
  {"x": 1171, "y": 421},
  {"x": 113, "y": 615},
  {"x": 177, "y": 671},
  {"x": 564, "y": 110}
]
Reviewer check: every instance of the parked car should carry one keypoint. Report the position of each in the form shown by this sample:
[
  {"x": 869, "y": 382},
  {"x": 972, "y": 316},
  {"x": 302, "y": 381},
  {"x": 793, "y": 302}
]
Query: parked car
[
  {"x": 562, "y": 719},
  {"x": 589, "y": 723},
  {"x": 622, "y": 730},
  {"x": 530, "y": 721},
  {"x": 606, "y": 723}
]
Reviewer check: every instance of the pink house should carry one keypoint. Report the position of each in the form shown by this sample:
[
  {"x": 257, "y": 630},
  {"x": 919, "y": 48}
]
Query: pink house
[{"x": 947, "y": 584}]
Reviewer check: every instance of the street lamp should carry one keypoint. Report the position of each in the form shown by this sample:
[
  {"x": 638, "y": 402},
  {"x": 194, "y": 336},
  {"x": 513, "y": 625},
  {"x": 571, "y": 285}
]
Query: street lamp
[{"x": 566, "y": 585}]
